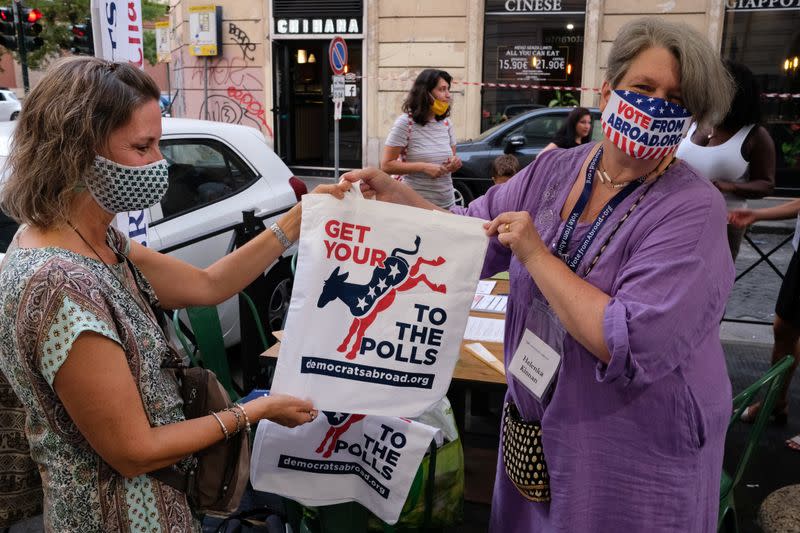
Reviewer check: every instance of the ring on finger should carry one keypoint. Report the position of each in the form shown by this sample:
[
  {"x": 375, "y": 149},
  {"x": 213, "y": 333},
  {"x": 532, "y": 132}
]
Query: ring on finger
[{"x": 507, "y": 227}]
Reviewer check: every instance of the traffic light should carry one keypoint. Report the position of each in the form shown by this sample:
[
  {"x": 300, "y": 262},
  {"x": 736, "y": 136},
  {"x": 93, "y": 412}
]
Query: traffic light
[
  {"x": 82, "y": 39},
  {"x": 8, "y": 31},
  {"x": 31, "y": 28}
]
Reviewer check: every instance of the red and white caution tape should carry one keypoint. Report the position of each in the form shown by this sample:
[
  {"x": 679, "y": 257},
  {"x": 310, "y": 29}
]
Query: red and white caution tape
[{"x": 781, "y": 96}]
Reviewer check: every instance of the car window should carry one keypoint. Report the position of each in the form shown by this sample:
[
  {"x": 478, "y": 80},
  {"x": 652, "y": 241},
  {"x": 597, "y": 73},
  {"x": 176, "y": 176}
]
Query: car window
[
  {"x": 2, "y": 97},
  {"x": 538, "y": 130},
  {"x": 200, "y": 173}
]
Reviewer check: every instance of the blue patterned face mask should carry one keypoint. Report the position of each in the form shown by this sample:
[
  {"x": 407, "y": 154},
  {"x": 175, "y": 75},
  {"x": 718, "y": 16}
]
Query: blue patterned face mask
[{"x": 119, "y": 188}]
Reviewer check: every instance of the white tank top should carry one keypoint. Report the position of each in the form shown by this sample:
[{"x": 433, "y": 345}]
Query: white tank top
[{"x": 723, "y": 162}]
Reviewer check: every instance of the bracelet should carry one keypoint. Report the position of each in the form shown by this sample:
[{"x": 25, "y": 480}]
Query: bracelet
[
  {"x": 246, "y": 418},
  {"x": 280, "y": 235},
  {"x": 238, "y": 418},
  {"x": 221, "y": 424}
]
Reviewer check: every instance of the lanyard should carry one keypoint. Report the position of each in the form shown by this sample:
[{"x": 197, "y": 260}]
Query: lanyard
[{"x": 580, "y": 206}]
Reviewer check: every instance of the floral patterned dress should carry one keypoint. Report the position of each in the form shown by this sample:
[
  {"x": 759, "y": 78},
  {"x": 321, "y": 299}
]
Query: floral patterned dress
[{"x": 49, "y": 297}]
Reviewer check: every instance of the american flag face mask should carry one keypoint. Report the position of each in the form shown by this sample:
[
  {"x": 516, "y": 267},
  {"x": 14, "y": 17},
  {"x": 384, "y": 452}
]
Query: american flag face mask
[{"x": 644, "y": 127}]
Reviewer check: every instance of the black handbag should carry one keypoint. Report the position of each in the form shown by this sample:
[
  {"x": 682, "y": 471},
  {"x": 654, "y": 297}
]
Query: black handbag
[{"x": 523, "y": 455}]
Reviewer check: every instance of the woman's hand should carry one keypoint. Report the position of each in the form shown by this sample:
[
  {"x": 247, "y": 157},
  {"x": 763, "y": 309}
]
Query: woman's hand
[
  {"x": 516, "y": 231},
  {"x": 290, "y": 222},
  {"x": 741, "y": 218},
  {"x": 379, "y": 185},
  {"x": 453, "y": 163},
  {"x": 374, "y": 183},
  {"x": 435, "y": 171},
  {"x": 337, "y": 189},
  {"x": 282, "y": 409}
]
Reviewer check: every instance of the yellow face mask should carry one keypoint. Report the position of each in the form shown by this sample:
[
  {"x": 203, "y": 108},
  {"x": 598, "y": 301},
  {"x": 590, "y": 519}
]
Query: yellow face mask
[{"x": 439, "y": 108}]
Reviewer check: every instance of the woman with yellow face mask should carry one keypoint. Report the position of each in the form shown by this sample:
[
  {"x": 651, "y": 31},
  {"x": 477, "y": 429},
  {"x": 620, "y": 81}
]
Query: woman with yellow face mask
[{"x": 421, "y": 146}]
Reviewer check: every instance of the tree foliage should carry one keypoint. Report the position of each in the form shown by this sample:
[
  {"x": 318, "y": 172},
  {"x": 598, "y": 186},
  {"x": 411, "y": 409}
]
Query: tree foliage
[{"x": 60, "y": 15}]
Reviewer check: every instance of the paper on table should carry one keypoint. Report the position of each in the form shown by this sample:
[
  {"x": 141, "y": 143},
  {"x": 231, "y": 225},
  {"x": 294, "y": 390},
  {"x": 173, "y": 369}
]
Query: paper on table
[
  {"x": 479, "y": 350},
  {"x": 501, "y": 275},
  {"x": 484, "y": 329},
  {"x": 490, "y": 303},
  {"x": 485, "y": 286}
]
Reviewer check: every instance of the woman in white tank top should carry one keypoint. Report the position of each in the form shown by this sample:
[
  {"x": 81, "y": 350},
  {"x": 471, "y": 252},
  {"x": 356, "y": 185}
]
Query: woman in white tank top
[{"x": 738, "y": 155}]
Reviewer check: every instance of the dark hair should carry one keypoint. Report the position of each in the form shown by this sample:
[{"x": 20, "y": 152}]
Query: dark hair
[
  {"x": 746, "y": 105},
  {"x": 565, "y": 136},
  {"x": 418, "y": 100},
  {"x": 504, "y": 166}
]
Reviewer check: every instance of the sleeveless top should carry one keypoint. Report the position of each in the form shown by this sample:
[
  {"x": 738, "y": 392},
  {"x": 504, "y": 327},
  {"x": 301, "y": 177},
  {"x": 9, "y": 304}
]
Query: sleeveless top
[{"x": 723, "y": 162}]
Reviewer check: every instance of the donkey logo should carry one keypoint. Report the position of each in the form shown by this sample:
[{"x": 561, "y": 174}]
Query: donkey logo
[
  {"x": 340, "y": 423},
  {"x": 366, "y": 301}
]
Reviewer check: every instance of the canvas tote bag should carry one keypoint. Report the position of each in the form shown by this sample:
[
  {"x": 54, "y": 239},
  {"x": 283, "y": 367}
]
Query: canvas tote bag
[{"x": 379, "y": 306}]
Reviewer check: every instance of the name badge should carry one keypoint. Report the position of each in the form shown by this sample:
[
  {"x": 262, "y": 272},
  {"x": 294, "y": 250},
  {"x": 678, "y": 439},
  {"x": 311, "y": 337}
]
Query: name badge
[{"x": 534, "y": 364}]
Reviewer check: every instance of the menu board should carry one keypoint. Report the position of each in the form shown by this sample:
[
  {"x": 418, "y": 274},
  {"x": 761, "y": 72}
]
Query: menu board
[{"x": 532, "y": 62}]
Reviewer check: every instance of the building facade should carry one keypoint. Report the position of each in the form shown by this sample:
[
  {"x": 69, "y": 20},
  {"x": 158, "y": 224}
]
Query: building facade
[{"x": 506, "y": 56}]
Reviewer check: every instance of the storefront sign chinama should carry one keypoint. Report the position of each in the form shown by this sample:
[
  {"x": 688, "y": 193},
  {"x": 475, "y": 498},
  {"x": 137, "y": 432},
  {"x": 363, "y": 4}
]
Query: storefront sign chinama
[
  {"x": 340, "y": 458},
  {"x": 379, "y": 305},
  {"x": 752, "y": 5},
  {"x": 289, "y": 26},
  {"x": 117, "y": 32}
]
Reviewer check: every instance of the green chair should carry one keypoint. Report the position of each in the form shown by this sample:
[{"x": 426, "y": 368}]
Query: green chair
[
  {"x": 208, "y": 348},
  {"x": 771, "y": 383}
]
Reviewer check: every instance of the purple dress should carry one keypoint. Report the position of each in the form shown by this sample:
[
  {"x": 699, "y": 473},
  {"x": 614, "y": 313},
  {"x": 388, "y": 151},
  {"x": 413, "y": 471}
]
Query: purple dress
[{"x": 635, "y": 445}]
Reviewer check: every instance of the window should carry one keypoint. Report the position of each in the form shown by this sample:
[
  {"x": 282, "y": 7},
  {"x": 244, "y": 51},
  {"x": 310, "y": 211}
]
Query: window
[
  {"x": 540, "y": 130},
  {"x": 768, "y": 41},
  {"x": 2, "y": 97},
  {"x": 528, "y": 45},
  {"x": 201, "y": 172}
]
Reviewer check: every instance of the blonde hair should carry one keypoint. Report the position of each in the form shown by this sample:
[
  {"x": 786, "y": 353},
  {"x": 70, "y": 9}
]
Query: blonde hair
[
  {"x": 65, "y": 119},
  {"x": 706, "y": 86}
]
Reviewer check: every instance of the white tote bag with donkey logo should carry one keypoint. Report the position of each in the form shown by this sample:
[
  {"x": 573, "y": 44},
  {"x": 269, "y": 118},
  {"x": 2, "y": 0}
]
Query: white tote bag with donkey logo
[
  {"x": 379, "y": 305},
  {"x": 341, "y": 458}
]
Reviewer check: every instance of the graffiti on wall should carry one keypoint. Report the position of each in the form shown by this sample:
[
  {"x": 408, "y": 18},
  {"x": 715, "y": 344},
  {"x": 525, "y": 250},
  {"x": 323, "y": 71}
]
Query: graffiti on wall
[
  {"x": 243, "y": 40},
  {"x": 234, "y": 80},
  {"x": 237, "y": 107}
]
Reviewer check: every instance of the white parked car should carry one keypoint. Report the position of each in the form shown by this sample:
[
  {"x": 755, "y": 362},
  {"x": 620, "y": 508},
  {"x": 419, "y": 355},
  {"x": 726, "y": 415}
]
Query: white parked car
[
  {"x": 9, "y": 105},
  {"x": 216, "y": 171}
]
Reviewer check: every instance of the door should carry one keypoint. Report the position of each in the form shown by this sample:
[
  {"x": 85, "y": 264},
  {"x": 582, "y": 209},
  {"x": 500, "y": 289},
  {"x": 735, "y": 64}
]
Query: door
[{"x": 304, "y": 111}]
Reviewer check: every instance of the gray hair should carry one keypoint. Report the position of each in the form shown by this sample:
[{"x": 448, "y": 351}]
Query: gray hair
[{"x": 706, "y": 86}]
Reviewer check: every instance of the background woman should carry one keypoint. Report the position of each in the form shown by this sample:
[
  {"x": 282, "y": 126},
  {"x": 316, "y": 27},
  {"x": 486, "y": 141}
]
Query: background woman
[
  {"x": 737, "y": 155},
  {"x": 421, "y": 145},
  {"x": 624, "y": 281},
  {"x": 576, "y": 130},
  {"x": 80, "y": 345},
  {"x": 786, "y": 325}
]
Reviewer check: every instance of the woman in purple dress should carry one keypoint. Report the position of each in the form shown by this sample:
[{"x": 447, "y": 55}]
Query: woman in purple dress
[{"x": 619, "y": 276}]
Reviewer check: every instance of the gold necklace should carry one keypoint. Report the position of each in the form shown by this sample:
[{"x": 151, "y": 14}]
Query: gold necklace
[{"x": 606, "y": 179}]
